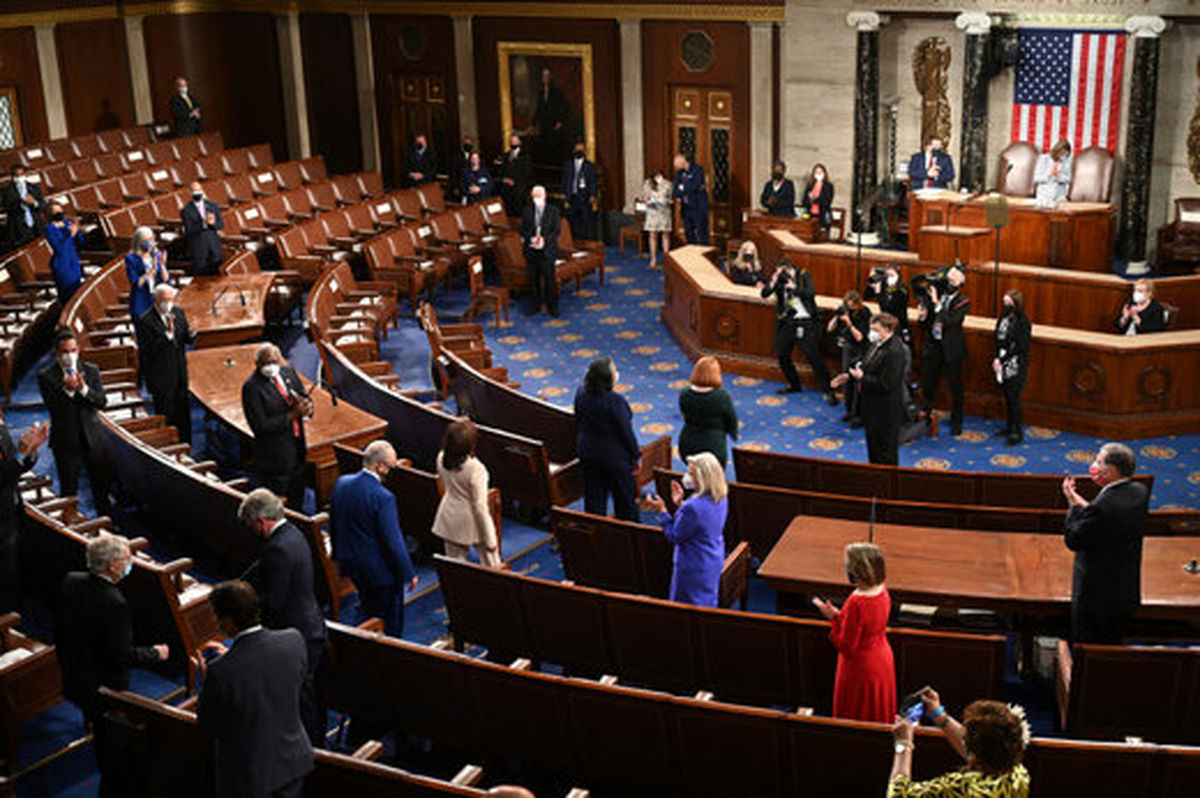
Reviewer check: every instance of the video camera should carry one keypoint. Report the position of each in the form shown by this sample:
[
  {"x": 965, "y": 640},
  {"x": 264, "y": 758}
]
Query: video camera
[
  {"x": 939, "y": 279},
  {"x": 878, "y": 276}
]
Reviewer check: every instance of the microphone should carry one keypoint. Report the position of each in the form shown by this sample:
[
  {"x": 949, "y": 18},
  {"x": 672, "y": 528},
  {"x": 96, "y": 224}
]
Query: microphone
[
  {"x": 871, "y": 523},
  {"x": 213, "y": 308},
  {"x": 241, "y": 295}
]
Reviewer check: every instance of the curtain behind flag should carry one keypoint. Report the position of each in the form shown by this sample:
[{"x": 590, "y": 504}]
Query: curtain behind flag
[{"x": 1068, "y": 86}]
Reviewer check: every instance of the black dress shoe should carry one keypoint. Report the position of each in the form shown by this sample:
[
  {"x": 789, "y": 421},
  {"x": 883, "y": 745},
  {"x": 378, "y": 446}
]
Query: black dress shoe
[
  {"x": 788, "y": 389},
  {"x": 956, "y": 430},
  {"x": 1015, "y": 438},
  {"x": 555, "y": 313},
  {"x": 831, "y": 399},
  {"x": 847, "y": 416},
  {"x": 1004, "y": 432},
  {"x": 856, "y": 423}
]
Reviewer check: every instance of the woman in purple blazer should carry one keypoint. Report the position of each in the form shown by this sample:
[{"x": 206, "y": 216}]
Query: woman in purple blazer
[{"x": 696, "y": 529}]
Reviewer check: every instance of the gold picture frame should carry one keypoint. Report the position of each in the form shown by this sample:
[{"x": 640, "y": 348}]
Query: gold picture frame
[{"x": 516, "y": 59}]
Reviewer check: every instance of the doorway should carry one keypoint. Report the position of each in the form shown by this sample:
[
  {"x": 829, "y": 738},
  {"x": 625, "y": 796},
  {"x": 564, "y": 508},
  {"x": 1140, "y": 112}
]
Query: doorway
[{"x": 701, "y": 127}]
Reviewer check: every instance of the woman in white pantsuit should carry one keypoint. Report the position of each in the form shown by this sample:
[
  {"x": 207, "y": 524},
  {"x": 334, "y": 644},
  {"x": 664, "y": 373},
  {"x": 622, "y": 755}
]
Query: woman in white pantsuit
[{"x": 463, "y": 519}]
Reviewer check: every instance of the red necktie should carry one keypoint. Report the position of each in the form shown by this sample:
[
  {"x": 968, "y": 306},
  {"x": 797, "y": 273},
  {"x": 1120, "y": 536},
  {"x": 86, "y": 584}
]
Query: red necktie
[
  {"x": 287, "y": 397},
  {"x": 928, "y": 166}
]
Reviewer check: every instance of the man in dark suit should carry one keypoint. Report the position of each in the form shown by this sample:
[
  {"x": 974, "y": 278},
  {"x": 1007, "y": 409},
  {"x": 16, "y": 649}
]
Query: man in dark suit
[
  {"x": 23, "y": 206},
  {"x": 276, "y": 404},
  {"x": 185, "y": 110},
  {"x": 201, "y": 237},
  {"x": 285, "y": 581},
  {"x": 163, "y": 337},
  {"x": 367, "y": 543},
  {"x": 797, "y": 325},
  {"x": 880, "y": 378},
  {"x": 1106, "y": 536},
  {"x": 516, "y": 170},
  {"x": 73, "y": 393},
  {"x": 15, "y": 460},
  {"x": 249, "y": 702},
  {"x": 94, "y": 637},
  {"x": 540, "y": 225},
  {"x": 945, "y": 345},
  {"x": 932, "y": 167},
  {"x": 692, "y": 193},
  {"x": 420, "y": 164},
  {"x": 779, "y": 193},
  {"x": 579, "y": 187}
]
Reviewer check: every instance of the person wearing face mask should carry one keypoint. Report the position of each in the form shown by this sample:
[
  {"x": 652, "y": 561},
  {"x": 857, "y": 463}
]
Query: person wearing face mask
[
  {"x": 817, "y": 200},
  {"x": 1011, "y": 364},
  {"x": 852, "y": 324},
  {"x": 1142, "y": 313},
  {"x": 74, "y": 394},
  {"x": 163, "y": 337},
  {"x": 656, "y": 193},
  {"x": 23, "y": 205},
  {"x": 932, "y": 167},
  {"x": 865, "y": 685},
  {"x": 579, "y": 187},
  {"x": 202, "y": 226},
  {"x": 696, "y": 529},
  {"x": 1106, "y": 536},
  {"x": 15, "y": 460},
  {"x": 420, "y": 164},
  {"x": 463, "y": 517},
  {"x": 744, "y": 268},
  {"x": 94, "y": 637},
  {"x": 885, "y": 287},
  {"x": 146, "y": 268},
  {"x": 64, "y": 238},
  {"x": 778, "y": 196},
  {"x": 367, "y": 543},
  {"x": 796, "y": 326},
  {"x": 880, "y": 384},
  {"x": 462, "y": 162},
  {"x": 1052, "y": 175},
  {"x": 185, "y": 110},
  {"x": 540, "y": 226},
  {"x": 475, "y": 182},
  {"x": 608, "y": 449},
  {"x": 692, "y": 192},
  {"x": 275, "y": 404},
  {"x": 516, "y": 170},
  {"x": 945, "y": 344}
]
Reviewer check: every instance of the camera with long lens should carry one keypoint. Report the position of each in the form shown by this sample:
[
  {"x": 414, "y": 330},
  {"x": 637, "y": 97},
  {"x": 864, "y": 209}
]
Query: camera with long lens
[
  {"x": 938, "y": 279},
  {"x": 877, "y": 277}
]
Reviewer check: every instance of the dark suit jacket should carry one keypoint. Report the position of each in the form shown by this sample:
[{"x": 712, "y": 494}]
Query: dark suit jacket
[
  {"x": 481, "y": 178},
  {"x": 580, "y": 190},
  {"x": 691, "y": 191},
  {"x": 198, "y": 234},
  {"x": 163, "y": 359},
  {"x": 182, "y": 120},
  {"x": 802, "y": 289},
  {"x": 74, "y": 422},
  {"x": 951, "y": 315},
  {"x": 13, "y": 209},
  {"x": 882, "y": 397},
  {"x": 520, "y": 169},
  {"x": 12, "y": 466},
  {"x": 275, "y": 451},
  {"x": 1154, "y": 319},
  {"x": 917, "y": 174},
  {"x": 784, "y": 199},
  {"x": 1014, "y": 344},
  {"x": 367, "y": 542},
  {"x": 250, "y": 704},
  {"x": 824, "y": 202},
  {"x": 1106, "y": 537},
  {"x": 283, "y": 577},
  {"x": 549, "y": 230},
  {"x": 604, "y": 434},
  {"x": 423, "y": 161},
  {"x": 94, "y": 638}
]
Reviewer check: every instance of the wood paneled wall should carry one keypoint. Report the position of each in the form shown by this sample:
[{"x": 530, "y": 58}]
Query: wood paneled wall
[
  {"x": 605, "y": 38},
  {"x": 19, "y": 68},
  {"x": 94, "y": 65},
  {"x": 331, "y": 91},
  {"x": 231, "y": 62}
]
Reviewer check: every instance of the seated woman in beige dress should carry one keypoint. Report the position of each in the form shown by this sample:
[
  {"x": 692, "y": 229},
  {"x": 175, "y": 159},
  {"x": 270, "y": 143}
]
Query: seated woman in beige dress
[
  {"x": 656, "y": 193},
  {"x": 463, "y": 519}
]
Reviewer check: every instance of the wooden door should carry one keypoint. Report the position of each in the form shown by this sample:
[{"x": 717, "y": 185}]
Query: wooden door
[
  {"x": 701, "y": 127},
  {"x": 419, "y": 106}
]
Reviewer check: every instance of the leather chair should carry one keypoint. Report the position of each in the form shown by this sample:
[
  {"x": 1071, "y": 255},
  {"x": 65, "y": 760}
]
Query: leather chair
[
  {"x": 1015, "y": 176},
  {"x": 1091, "y": 176},
  {"x": 1179, "y": 241}
]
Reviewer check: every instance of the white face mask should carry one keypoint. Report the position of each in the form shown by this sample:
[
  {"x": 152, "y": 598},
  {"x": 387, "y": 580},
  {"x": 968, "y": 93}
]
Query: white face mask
[
  {"x": 892, "y": 279},
  {"x": 539, "y": 203},
  {"x": 270, "y": 370},
  {"x": 1138, "y": 297},
  {"x": 165, "y": 308},
  {"x": 20, "y": 180},
  {"x": 874, "y": 336},
  {"x": 183, "y": 89},
  {"x": 69, "y": 360},
  {"x": 818, "y": 176},
  {"x": 687, "y": 481}
]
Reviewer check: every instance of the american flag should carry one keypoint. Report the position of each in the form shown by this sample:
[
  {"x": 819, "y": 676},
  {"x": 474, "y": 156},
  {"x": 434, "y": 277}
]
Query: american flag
[{"x": 1068, "y": 86}]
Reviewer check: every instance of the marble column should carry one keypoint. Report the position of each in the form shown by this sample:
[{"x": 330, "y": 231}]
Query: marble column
[
  {"x": 52, "y": 93},
  {"x": 632, "y": 114},
  {"x": 1139, "y": 140},
  {"x": 139, "y": 71},
  {"x": 866, "y": 115},
  {"x": 464, "y": 71},
  {"x": 295, "y": 97},
  {"x": 762, "y": 102},
  {"x": 972, "y": 159},
  {"x": 364, "y": 82}
]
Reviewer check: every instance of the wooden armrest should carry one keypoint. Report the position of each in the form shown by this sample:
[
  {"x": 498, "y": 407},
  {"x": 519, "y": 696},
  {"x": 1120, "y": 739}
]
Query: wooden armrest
[
  {"x": 469, "y": 776},
  {"x": 368, "y": 751},
  {"x": 240, "y": 484},
  {"x": 204, "y": 466},
  {"x": 9, "y": 620},
  {"x": 735, "y": 576},
  {"x": 93, "y": 525},
  {"x": 372, "y": 625},
  {"x": 176, "y": 448},
  {"x": 322, "y": 248}
]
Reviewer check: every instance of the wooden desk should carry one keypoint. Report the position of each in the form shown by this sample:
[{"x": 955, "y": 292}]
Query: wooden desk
[
  {"x": 1073, "y": 235},
  {"x": 216, "y": 376},
  {"x": 1004, "y": 571},
  {"x": 954, "y": 243},
  {"x": 227, "y": 309},
  {"x": 754, "y": 221}
]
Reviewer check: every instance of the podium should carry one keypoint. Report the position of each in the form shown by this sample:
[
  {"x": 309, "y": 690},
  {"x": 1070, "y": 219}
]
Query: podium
[{"x": 947, "y": 244}]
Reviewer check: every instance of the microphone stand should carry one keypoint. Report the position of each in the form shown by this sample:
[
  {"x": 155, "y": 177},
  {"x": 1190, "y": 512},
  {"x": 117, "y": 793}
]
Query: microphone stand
[{"x": 213, "y": 308}]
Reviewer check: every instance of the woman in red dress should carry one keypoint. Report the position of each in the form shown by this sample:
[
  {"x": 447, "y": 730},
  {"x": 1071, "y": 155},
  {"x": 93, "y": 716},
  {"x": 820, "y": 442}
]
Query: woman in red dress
[{"x": 865, "y": 687}]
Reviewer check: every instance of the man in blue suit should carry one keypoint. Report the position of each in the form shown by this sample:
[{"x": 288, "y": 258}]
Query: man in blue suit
[
  {"x": 932, "y": 167},
  {"x": 579, "y": 187},
  {"x": 367, "y": 543},
  {"x": 692, "y": 194},
  {"x": 202, "y": 224}
]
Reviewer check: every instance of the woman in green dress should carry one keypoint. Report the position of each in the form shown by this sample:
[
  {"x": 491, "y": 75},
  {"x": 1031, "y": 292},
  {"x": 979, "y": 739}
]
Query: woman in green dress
[{"x": 708, "y": 414}]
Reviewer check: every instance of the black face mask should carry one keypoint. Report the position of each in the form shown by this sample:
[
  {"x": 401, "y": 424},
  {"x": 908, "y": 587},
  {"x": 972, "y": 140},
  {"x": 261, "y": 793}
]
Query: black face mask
[
  {"x": 579, "y": 154},
  {"x": 849, "y": 576},
  {"x": 748, "y": 257},
  {"x": 936, "y": 151},
  {"x": 779, "y": 175},
  {"x": 58, "y": 217},
  {"x": 467, "y": 149},
  {"x": 197, "y": 196}
]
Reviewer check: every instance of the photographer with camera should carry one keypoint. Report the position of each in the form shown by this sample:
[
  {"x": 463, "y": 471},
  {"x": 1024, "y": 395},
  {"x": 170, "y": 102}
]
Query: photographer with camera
[
  {"x": 943, "y": 307},
  {"x": 796, "y": 325},
  {"x": 852, "y": 324},
  {"x": 885, "y": 287}
]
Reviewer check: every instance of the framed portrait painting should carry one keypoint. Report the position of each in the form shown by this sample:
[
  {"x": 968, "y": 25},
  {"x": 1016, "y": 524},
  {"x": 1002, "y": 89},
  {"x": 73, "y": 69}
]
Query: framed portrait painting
[{"x": 546, "y": 97}]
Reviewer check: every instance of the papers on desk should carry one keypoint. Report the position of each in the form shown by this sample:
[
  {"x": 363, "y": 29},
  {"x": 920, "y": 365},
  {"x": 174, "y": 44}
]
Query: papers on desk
[{"x": 579, "y": 254}]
